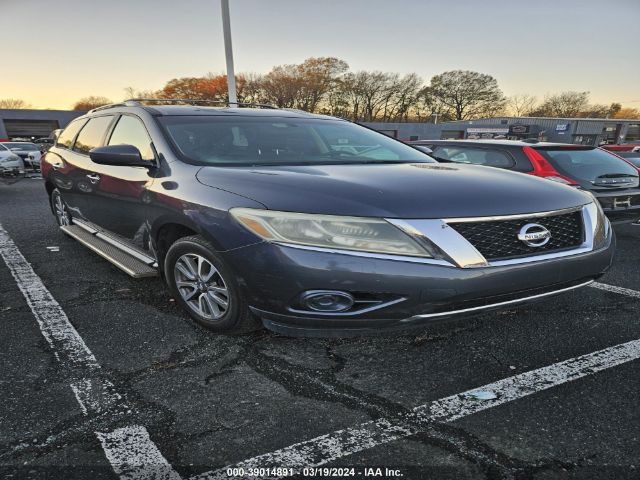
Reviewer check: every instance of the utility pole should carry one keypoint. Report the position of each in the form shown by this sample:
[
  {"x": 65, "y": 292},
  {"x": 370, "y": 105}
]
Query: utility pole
[{"x": 228, "y": 51}]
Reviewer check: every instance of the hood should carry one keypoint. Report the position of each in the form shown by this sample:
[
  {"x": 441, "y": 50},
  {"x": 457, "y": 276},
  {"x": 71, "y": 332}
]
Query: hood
[{"x": 422, "y": 190}]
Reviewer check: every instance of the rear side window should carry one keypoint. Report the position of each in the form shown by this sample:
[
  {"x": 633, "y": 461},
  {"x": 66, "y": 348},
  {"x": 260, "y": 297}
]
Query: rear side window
[
  {"x": 131, "y": 131},
  {"x": 475, "y": 156},
  {"x": 92, "y": 134},
  {"x": 590, "y": 164},
  {"x": 66, "y": 137}
]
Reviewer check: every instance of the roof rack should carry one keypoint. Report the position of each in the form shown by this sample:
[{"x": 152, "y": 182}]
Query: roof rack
[
  {"x": 104, "y": 107},
  {"x": 195, "y": 101}
]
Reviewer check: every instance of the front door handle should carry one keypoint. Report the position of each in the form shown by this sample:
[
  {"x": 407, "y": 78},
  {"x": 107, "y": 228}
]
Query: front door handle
[
  {"x": 93, "y": 177},
  {"x": 56, "y": 166}
]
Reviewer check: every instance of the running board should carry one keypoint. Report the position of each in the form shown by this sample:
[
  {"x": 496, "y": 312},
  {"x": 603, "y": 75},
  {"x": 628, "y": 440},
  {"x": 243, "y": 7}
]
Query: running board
[{"x": 111, "y": 251}]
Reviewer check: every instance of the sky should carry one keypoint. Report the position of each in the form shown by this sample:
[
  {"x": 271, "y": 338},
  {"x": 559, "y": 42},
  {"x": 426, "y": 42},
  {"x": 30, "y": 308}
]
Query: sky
[{"x": 54, "y": 53}]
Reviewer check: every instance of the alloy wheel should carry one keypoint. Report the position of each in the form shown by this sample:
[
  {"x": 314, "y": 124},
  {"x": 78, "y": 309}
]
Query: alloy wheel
[
  {"x": 201, "y": 286},
  {"x": 61, "y": 211}
]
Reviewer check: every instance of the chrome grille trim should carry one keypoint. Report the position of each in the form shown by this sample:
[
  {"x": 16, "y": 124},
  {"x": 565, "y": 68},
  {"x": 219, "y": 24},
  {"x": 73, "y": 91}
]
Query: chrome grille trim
[{"x": 520, "y": 216}]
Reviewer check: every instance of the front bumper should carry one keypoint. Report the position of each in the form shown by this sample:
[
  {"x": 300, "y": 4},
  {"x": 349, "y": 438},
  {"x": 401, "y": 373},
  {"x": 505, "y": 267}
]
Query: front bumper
[
  {"x": 274, "y": 276},
  {"x": 621, "y": 206}
]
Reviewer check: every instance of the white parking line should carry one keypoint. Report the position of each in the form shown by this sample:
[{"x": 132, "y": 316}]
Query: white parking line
[
  {"x": 94, "y": 393},
  {"x": 332, "y": 446},
  {"x": 613, "y": 289},
  {"x": 134, "y": 456}
]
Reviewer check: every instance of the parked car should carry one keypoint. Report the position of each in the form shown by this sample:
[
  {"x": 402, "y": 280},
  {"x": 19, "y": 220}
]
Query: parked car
[
  {"x": 611, "y": 179},
  {"x": 264, "y": 214},
  {"x": 11, "y": 165},
  {"x": 632, "y": 146},
  {"x": 632, "y": 157},
  {"x": 29, "y": 153},
  {"x": 44, "y": 143}
]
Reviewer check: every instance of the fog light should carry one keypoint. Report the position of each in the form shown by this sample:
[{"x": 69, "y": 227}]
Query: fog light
[{"x": 327, "y": 300}]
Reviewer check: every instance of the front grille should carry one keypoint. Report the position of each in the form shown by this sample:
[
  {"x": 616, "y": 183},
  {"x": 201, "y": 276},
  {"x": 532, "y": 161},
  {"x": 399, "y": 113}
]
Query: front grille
[{"x": 498, "y": 239}]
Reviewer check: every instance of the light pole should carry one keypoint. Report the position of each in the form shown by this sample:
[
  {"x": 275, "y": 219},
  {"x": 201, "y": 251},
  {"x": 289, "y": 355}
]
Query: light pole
[{"x": 228, "y": 51}]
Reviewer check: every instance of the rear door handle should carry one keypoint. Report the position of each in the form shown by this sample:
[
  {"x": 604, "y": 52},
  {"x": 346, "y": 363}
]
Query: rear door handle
[
  {"x": 56, "y": 166},
  {"x": 94, "y": 178}
]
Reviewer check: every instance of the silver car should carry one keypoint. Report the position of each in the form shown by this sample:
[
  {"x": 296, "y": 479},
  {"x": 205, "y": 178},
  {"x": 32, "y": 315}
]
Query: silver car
[
  {"x": 27, "y": 151},
  {"x": 11, "y": 165}
]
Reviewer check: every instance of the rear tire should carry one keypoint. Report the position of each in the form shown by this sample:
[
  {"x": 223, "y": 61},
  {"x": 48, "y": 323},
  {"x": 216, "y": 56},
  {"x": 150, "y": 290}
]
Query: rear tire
[{"x": 206, "y": 288}]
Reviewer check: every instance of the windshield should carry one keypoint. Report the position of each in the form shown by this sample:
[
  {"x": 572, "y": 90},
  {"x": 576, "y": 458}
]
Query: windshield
[
  {"x": 27, "y": 147},
  {"x": 217, "y": 140},
  {"x": 587, "y": 164}
]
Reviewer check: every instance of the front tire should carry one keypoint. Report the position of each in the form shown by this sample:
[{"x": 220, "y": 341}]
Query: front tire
[
  {"x": 60, "y": 208},
  {"x": 205, "y": 287}
]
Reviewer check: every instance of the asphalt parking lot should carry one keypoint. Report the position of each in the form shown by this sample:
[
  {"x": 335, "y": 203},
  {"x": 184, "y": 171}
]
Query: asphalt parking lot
[{"x": 101, "y": 373}]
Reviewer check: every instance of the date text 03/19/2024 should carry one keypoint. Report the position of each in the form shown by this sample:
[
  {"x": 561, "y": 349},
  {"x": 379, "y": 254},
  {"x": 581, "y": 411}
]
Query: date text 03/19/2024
[{"x": 337, "y": 472}]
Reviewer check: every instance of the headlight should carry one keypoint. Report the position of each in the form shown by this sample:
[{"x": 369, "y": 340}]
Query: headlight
[
  {"x": 10, "y": 158},
  {"x": 600, "y": 225},
  {"x": 330, "y": 231}
]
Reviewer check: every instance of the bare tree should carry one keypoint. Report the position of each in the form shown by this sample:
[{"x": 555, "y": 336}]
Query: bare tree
[
  {"x": 130, "y": 92},
  {"x": 87, "y": 103},
  {"x": 403, "y": 94},
  {"x": 565, "y": 104},
  {"x": 521, "y": 105},
  {"x": 430, "y": 109},
  {"x": 304, "y": 86},
  {"x": 282, "y": 86},
  {"x": 249, "y": 88},
  {"x": 627, "y": 112},
  {"x": 468, "y": 94},
  {"x": 317, "y": 77},
  {"x": 13, "y": 103}
]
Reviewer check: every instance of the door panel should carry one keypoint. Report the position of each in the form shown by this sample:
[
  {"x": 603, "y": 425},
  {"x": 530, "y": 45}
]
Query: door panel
[{"x": 119, "y": 201}]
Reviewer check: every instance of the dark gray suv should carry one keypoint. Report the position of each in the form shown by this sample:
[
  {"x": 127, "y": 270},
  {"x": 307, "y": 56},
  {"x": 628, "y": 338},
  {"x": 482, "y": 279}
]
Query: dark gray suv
[{"x": 310, "y": 224}]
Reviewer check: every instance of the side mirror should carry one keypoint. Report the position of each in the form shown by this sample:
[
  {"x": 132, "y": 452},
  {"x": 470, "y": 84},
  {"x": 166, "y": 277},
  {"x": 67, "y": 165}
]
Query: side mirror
[
  {"x": 423, "y": 149},
  {"x": 120, "y": 155}
]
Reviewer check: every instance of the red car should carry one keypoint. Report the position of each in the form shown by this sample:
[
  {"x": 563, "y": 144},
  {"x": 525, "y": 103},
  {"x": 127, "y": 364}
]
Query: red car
[
  {"x": 623, "y": 147},
  {"x": 611, "y": 179}
]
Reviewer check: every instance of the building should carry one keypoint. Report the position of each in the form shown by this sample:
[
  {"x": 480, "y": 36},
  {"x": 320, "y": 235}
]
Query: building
[
  {"x": 584, "y": 131},
  {"x": 33, "y": 123}
]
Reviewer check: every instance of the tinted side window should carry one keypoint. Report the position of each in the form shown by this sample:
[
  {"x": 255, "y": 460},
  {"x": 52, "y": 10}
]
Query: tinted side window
[
  {"x": 66, "y": 137},
  {"x": 475, "y": 156},
  {"x": 92, "y": 134},
  {"x": 130, "y": 131}
]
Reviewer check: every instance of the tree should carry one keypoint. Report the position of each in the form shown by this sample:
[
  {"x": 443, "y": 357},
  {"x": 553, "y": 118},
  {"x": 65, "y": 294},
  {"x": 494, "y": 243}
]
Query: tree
[
  {"x": 596, "y": 111},
  {"x": 282, "y": 86},
  {"x": 428, "y": 108},
  {"x": 614, "y": 109},
  {"x": 211, "y": 87},
  {"x": 13, "y": 103},
  {"x": 87, "y": 103},
  {"x": 317, "y": 77},
  {"x": 130, "y": 92},
  {"x": 631, "y": 113},
  {"x": 521, "y": 105},
  {"x": 467, "y": 94},
  {"x": 565, "y": 104},
  {"x": 304, "y": 86}
]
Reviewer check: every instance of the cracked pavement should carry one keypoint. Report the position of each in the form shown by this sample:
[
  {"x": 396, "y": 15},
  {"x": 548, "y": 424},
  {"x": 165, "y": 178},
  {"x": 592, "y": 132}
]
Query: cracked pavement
[{"x": 209, "y": 400}]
